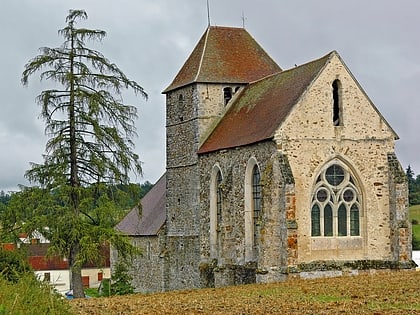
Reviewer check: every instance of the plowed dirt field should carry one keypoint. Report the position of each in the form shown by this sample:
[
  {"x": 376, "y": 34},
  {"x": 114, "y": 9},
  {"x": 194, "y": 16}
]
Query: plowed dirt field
[{"x": 380, "y": 293}]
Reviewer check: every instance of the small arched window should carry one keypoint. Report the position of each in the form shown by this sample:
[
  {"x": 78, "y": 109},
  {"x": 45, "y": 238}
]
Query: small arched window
[
  {"x": 336, "y": 204},
  {"x": 227, "y": 94},
  {"x": 337, "y": 107}
]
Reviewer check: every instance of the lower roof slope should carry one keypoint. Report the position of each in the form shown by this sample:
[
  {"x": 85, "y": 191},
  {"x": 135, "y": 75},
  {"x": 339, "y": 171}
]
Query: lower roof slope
[
  {"x": 262, "y": 106},
  {"x": 151, "y": 217}
]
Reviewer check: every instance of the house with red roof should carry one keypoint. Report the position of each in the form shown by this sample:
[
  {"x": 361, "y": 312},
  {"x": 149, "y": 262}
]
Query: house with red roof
[
  {"x": 55, "y": 270},
  {"x": 271, "y": 173}
]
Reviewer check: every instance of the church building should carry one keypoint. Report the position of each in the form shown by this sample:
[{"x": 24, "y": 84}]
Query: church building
[{"x": 270, "y": 174}]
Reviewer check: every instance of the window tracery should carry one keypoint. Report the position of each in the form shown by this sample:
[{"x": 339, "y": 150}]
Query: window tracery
[{"x": 336, "y": 204}]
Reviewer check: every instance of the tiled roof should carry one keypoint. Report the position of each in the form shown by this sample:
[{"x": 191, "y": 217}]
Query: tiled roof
[
  {"x": 149, "y": 220},
  {"x": 261, "y": 107},
  {"x": 225, "y": 55},
  {"x": 39, "y": 260}
]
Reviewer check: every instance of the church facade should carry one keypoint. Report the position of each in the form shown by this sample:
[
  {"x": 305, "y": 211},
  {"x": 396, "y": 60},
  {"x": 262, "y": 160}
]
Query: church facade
[{"x": 271, "y": 173}]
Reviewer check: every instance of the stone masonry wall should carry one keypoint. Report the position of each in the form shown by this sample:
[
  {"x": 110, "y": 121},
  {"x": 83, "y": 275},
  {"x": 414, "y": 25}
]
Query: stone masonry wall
[
  {"x": 191, "y": 112},
  {"x": 147, "y": 269},
  {"x": 230, "y": 267}
]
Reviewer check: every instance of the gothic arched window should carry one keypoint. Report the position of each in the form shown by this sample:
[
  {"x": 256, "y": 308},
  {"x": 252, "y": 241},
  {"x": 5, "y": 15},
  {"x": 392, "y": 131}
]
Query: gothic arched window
[
  {"x": 256, "y": 197},
  {"x": 219, "y": 198},
  {"x": 253, "y": 208},
  {"x": 336, "y": 203},
  {"x": 216, "y": 210}
]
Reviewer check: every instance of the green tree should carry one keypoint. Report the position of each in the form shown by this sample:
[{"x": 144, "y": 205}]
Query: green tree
[
  {"x": 121, "y": 280},
  {"x": 413, "y": 187},
  {"x": 4, "y": 198},
  {"x": 90, "y": 133}
]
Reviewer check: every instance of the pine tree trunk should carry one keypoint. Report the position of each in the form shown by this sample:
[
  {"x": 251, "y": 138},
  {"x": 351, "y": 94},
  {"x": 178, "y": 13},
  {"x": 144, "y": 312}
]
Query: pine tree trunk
[{"x": 76, "y": 274}]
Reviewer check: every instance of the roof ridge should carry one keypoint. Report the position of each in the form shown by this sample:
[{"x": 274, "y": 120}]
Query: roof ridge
[
  {"x": 202, "y": 54},
  {"x": 294, "y": 68}
]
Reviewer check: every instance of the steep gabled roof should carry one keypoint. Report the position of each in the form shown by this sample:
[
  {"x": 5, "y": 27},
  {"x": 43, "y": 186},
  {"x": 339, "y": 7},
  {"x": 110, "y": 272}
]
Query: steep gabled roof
[
  {"x": 225, "y": 55},
  {"x": 262, "y": 106},
  {"x": 150, "y": 219}
]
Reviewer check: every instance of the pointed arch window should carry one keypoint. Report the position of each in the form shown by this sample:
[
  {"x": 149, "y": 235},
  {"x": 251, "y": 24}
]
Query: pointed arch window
[
  {"x": 219, "y": 198},
  {"x": 253, "y": 209},
  {"x": 216, "y": 210},
  {"x": 336, "y": 203},
  {"x": 256, "y": 197}
]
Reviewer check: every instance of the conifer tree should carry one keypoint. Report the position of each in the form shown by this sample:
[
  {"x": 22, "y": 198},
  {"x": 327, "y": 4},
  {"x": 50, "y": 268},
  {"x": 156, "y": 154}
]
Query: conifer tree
[{"x": 90, "y": 132}]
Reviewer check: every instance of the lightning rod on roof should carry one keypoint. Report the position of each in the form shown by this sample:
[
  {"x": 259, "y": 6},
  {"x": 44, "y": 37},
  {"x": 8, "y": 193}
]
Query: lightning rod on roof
[
  {"x": 208, "y": 13},
  {"x": 243, "y": 19}
]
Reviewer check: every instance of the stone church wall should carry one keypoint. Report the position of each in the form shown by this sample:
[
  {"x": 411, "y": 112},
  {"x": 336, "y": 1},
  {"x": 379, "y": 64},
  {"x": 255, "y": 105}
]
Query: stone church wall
[
  {"x": 231, "y": 267},
  {"x": 146, "y": 269},
  {"x": 363, "y": 142}
]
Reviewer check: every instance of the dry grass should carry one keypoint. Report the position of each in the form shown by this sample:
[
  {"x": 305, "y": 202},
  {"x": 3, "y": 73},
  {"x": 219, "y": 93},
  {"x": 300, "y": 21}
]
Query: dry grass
[{"x": 381, "y": 293}]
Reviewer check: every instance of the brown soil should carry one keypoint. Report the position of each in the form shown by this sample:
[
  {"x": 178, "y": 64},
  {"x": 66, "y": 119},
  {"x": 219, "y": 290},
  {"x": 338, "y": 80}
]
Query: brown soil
[{"x": 380, "y": 293}]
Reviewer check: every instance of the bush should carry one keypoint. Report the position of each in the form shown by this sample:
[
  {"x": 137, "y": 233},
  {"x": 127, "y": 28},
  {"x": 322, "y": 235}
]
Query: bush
[{"x": 13, "y": 265}]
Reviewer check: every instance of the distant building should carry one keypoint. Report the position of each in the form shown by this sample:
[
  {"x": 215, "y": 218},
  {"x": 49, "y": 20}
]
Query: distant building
[
  {"x": 270, "y": 173},
  {"x": 54, "y": 269}
]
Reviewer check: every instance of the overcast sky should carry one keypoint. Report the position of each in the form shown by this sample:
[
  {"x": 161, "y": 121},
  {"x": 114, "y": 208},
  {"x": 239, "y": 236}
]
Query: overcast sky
[{"x": 149, "y": 40}]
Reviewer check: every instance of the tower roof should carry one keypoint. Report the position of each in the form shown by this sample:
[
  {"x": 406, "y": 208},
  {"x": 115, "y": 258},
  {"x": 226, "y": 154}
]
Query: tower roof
[{"x": 225, "y": 55}]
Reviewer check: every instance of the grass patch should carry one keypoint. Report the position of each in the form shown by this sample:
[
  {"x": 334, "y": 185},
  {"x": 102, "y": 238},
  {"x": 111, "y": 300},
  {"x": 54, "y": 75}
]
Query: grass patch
[
  {"x": 92, "y": 292},
  {"x": 414, "y": 213},
  {"x": 29, "y": 296},
  {"x": 414, "y": 216}
]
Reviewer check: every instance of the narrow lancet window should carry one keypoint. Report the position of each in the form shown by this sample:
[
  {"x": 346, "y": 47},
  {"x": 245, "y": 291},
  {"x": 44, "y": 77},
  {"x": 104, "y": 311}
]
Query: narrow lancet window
[
  {"x": 219, "y": 198},
  {"x": 256, "y": 196},
  {"x": 337, "y": 115}
]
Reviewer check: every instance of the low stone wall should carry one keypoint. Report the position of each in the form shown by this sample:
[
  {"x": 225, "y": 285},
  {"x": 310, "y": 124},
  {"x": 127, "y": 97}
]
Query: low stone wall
[{"x": 227, "y": 275}]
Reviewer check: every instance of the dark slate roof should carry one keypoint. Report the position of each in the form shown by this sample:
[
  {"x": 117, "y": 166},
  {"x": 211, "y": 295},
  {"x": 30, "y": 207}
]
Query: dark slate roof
[
  {"x": 225, "y": 55},
  {"x": 150, "y": 219},
  {"x": 262, "y": 106}
]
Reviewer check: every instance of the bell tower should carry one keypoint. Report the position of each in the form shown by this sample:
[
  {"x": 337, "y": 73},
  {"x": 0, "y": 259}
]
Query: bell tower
[{"x": 224, "y": 60}]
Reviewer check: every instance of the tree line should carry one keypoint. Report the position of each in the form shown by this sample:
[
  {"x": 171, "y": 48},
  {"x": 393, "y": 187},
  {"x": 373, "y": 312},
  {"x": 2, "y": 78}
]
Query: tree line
[{"x": 413, "y": 187}]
